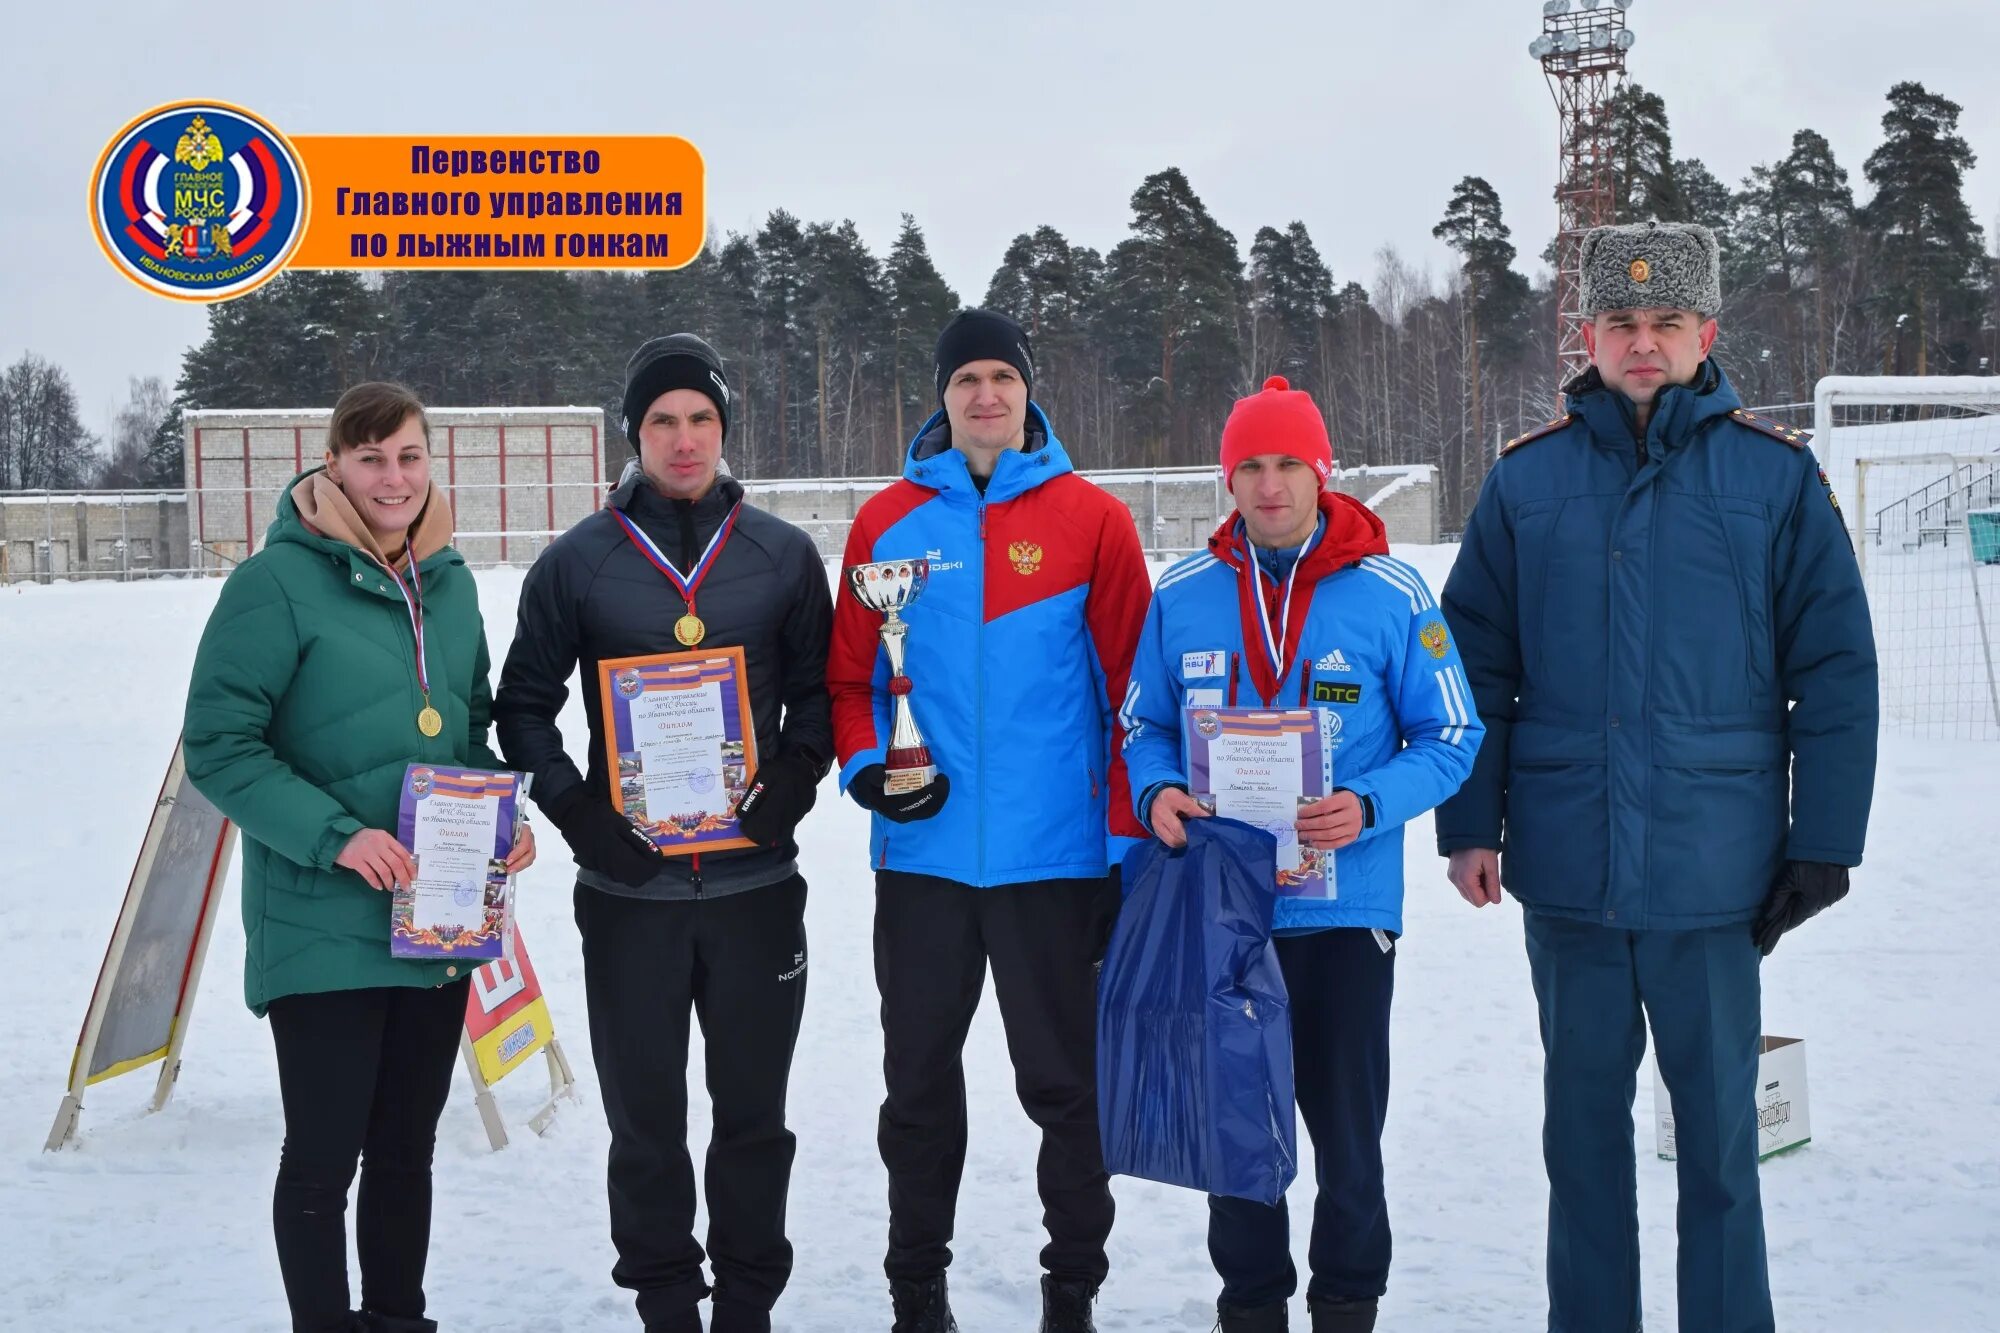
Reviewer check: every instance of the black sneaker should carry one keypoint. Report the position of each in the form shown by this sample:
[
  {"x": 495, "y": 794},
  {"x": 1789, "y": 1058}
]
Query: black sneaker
[
  {"x": 1066, "y": 1305},
  {"x": 1341, "y": 1316},
  {"x": 922, "y": 1306},
  {"x": 1250, "y": 1318}
]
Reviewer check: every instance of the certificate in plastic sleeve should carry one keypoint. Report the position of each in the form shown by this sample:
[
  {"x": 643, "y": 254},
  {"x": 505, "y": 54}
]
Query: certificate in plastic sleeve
[
  {"x": 682, "y": 747},
  {"x": 1261, "y": 766},
  {"x": 460, "y": 825}
]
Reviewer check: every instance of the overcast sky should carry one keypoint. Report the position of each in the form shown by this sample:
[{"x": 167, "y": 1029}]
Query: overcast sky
[{"x": 982, "y": 121}]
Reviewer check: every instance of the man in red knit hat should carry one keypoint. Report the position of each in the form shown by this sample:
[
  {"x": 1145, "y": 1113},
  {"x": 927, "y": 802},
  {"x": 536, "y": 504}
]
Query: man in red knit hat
[{"x": 1297, "y": 604}]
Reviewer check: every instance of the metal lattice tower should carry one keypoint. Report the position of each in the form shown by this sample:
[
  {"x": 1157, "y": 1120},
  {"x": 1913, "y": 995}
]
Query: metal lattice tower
[{"x": 1582, "y": 54}]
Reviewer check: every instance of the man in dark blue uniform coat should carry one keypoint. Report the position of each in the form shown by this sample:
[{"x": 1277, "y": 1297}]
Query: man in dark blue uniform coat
[{"x": 1666, "y": 634}]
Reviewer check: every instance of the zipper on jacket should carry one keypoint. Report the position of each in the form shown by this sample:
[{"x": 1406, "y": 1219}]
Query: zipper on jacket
[
  {"x": 979, "y": 693},
  {"x": 1235, "y": 664},
  {"x": 694, "y": 875},
  {"x": 882, "y": 861}
]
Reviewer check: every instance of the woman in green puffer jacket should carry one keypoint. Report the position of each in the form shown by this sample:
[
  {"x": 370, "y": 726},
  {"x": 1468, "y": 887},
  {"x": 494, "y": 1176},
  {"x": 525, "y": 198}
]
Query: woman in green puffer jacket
[{"x": 308, "y": 703}]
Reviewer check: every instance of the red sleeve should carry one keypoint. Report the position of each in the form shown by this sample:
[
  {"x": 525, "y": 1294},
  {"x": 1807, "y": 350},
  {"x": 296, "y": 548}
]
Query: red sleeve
[
  {"x": 1115, "y": 611},
  {"x": 856, "y": 651},
  {"x": 850, "y": 659}
]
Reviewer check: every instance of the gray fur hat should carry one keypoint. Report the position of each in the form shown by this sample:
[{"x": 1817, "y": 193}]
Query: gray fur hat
[{"x": 1652, "y": 265}]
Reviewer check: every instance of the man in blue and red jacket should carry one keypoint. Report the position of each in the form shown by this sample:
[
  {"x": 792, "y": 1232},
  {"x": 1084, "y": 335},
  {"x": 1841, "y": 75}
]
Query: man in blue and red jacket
[
  {"x": 1297, "y": 604},
  {"x": 1019, "y": 649}
]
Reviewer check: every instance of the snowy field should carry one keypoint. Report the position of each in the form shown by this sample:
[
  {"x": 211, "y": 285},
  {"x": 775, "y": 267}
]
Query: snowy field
[{"x": 1889, "y": 1222}]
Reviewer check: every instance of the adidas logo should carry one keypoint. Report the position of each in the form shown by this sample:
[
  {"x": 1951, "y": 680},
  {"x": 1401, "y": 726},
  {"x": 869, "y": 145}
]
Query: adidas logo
[{"x": 1333, "y": 661}]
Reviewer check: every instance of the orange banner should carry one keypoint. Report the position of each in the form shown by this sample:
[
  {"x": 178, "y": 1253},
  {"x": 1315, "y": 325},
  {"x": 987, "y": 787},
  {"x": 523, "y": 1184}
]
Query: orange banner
[{"x": 466, "y": 201}]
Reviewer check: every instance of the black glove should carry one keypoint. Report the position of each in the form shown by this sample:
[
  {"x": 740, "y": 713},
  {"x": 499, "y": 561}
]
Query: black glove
[
  {"x": 604, "y": 840},
  {"x": 785, "y": 790},
  {"x": 910, "y": 805},
  {"x": 1804, "y": 890}
]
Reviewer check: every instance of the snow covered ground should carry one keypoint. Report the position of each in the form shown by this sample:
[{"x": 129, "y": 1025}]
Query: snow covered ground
[{"x": 1888, "y": 1222}]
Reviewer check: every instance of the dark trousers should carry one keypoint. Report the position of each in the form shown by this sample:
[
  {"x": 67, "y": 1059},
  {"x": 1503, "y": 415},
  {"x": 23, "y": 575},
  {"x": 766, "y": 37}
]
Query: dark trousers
[
  {"x": 739, "y": 964},
  {"x": 362, "y": 1074},
  {"x": 1597, "y": 987},
  {"x": 933, "y": 940},
  {"x": 1340, "y": 982}
]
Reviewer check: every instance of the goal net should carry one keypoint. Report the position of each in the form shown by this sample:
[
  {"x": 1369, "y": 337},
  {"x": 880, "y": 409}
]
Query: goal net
[{"x": 1916, "y": 463}]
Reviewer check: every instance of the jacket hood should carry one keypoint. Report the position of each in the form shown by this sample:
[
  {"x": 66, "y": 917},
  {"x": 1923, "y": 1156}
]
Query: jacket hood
[
  {"x": 1353, "y": 530},
  {"x": 932, "y": 461},
  {"x": 323, "y": 510}
]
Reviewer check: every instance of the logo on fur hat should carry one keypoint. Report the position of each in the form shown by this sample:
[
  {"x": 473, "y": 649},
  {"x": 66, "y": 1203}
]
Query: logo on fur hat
[
  {"x": 1026, "y": 557},
  {"x": 1640, "y": 270}
]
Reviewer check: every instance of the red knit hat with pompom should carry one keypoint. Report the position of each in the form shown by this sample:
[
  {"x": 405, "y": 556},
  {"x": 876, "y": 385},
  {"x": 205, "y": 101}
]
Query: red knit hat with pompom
[{"x": 1279, "y": 420}]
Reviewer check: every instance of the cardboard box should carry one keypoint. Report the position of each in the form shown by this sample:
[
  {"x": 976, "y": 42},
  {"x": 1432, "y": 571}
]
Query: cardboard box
[{"x": 1784, "y": 1117}]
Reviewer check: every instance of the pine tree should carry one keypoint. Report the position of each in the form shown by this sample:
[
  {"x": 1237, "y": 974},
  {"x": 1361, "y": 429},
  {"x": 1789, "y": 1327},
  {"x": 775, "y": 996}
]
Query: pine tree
[
  {"x": 846, "y": 308},
  {"x": 1932, "y": 250},
  {"x": 781, "y": 264},
  {"x": 921, "y": 303},
  {"x": 1290, "y": 297},
  {"x": 1494, "y": 300},
  {"x": 1051, "y": 288},
  {"x": 1639, "y": 146},
  {"x": 1172, "y": 293}
]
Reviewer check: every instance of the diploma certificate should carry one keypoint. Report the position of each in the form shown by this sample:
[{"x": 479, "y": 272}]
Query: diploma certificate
[
  {"x": 1261, "y": 766},
  {"x": 460, "y": 824},
  {"x": 681, "y": 745}
]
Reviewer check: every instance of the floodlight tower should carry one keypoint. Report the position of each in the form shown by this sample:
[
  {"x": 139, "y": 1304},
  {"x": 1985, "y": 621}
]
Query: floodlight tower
[{"x": 1582, "y": 54}]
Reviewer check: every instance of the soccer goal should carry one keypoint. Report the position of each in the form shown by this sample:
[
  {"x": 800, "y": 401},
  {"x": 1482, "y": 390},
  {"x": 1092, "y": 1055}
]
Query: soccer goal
[{"x": 1916, "y": 463}]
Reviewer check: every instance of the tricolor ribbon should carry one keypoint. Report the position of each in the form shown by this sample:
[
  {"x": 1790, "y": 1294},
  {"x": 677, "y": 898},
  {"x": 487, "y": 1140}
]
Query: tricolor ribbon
[
  {"x": 1274, "y": 646},
  {"x": 415, "y": 606},
  {"x": 687, "y": 584}
]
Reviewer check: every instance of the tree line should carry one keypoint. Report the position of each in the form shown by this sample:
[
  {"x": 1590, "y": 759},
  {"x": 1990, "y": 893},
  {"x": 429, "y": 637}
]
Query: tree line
[{"x": 1141, "y": 348}]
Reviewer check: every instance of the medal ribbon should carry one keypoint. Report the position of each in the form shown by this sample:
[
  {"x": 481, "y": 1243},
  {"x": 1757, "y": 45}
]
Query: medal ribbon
[
  {"x": 689, "y": 583},
  {"x": 1274, "y": 647},
  {"x": 415, "y": 605}
]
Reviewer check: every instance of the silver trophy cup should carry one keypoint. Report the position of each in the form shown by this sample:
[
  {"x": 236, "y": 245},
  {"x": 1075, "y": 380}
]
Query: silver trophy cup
[{"x": 888, "y": 586}]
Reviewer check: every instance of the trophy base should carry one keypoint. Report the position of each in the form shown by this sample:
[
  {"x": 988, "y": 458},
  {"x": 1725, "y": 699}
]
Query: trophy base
[{"x": 906, "y": 771}]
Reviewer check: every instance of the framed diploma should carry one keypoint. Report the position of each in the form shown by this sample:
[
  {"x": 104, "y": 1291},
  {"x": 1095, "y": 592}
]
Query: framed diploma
[
  {"x": 460, "y": 824},
  {"x": 681, "y": 745},
  {"x": 1260, "y": 765}
]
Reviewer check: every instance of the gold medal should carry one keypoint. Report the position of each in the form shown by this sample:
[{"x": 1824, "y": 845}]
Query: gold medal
[
  {"x": 689, "y": 629},
  {"x": 429, "y": 721}
]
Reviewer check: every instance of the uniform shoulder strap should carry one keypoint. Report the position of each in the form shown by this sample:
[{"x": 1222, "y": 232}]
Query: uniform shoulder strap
[
  {"x": 1537, "y": 433},
  {"x": 1791, "y": 435}
]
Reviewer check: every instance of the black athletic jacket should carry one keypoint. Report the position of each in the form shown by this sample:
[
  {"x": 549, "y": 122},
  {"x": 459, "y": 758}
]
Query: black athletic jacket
[{"x": 592, "y": 595}]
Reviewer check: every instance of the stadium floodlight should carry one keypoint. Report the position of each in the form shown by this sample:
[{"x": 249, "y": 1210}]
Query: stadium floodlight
[
  {"x": 1625, "y": 39},
  {"x": 1588, "y": 4},
  {"x": 1622, "y": 4},
  {"x": 1554, "y": 8},
  {"x": 1600, "y": 39},
  {"x": 1539, "y": 47},
  {"x": 1571, "y": 43}
]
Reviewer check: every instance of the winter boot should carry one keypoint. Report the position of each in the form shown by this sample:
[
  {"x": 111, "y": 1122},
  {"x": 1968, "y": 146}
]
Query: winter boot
[
  {"x": 1250, "y": 1318},
  {"x": 1066, "y": 1305},
  {"x": 1341, "y": 1316},
  {"x": 922, "y": 1306},
  {"x": 383, "y": 1323}
]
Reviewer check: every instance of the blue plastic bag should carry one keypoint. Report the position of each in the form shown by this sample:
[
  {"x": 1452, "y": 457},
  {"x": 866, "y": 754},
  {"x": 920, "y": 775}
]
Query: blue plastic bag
[{"x": 1194, "y": 1030}]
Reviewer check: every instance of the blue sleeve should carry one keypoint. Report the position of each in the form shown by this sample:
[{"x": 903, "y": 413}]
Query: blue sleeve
[
  {"x": 1440, "y": 731},
  {"x": 1152, "y": 717},
  {"x": 1826, "y": 662},
  {"x": 1479, "y": 607}
]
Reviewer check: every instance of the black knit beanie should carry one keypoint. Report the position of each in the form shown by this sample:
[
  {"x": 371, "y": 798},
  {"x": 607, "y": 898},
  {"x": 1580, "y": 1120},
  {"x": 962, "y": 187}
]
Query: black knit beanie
[
  {"x": 677, "y": 361},
  {"x": 983, "y": 335}
]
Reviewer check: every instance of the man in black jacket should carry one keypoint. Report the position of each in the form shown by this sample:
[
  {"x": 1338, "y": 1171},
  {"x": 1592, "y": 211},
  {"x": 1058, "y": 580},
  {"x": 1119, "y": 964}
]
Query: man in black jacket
[{"x": 723, "y": 933}]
